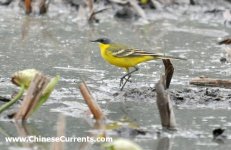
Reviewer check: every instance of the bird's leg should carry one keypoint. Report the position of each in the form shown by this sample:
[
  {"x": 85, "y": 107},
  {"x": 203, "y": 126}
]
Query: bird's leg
[
  {"x": 126, "y": 80},
  {"x": 122, "y": 79}
]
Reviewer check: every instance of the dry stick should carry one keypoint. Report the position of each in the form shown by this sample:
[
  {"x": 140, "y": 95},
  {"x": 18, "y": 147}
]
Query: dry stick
[
  {"x": 139, "y": 10},
  {"x": 156, "y": 4},
  {"x": 165, "y": 106},
  {"x": 169, "y": 70},
  {"x": 43, "y": 6},
  {"x": 90, "y": 4},
  {"x": 93, "y": 106},
  {"x": 95, "y": 110},
  {"x": 37, "y": 92},
  {"x": 225, "y": 41},
  {"x": 92, "y": 15},
  {"x": 100, "y": 125},
  {"x": 28, "y": 6},
  {"x": 205, "y": 81},
  {"x": 32, "y": 98}
]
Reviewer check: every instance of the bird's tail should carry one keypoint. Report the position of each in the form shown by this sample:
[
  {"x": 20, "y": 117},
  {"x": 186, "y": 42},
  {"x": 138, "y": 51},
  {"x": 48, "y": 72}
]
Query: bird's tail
[{"x": 167, "y": 57}]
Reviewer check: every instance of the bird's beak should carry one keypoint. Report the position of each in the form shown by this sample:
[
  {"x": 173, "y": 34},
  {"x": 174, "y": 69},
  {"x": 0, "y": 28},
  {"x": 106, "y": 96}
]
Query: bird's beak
[{"x": 94, "y": 41}]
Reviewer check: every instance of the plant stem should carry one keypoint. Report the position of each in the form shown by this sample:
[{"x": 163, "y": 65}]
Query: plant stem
[{"x": 12, "y": 101}]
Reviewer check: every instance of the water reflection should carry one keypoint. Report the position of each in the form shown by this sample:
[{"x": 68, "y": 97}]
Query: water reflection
[
  {"x": 23, "y": 131},
  {"x": 30, "y": 133},
  {"x": 164, "y": 144},
  {"x": 98, "y": 130}
]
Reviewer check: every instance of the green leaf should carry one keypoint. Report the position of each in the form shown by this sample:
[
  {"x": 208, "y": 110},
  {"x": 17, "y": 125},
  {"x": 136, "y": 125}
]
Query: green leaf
[{"x": 47, "y": 91}]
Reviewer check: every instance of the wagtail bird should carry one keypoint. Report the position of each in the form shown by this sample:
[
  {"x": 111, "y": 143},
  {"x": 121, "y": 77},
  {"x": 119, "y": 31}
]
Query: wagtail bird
[{"x": 124, "y": 57}]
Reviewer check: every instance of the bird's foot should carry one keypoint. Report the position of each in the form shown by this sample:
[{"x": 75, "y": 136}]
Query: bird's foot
[{"x": 122, "y": 82}]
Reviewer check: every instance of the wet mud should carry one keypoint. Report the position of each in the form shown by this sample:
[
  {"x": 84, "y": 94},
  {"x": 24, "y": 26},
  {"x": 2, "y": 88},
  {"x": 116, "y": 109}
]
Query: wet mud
[{"x": 190, "y": 96}]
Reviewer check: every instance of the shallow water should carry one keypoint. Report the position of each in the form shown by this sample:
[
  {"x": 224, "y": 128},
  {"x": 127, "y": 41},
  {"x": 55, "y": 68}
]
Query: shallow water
[{"x": 57, "y": 44}]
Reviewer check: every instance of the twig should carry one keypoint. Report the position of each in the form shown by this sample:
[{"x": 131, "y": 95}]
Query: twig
[
  {"x": 225, "y": 41},
  {"x": 34, "y": 93},
  {"x": 92, "y": 15},
  {"x": 93, "y": 106},
  {"x": 169, "y": 70},
  {"x": 139, "y": 10},
  {"x": 96, "y": 111},
  {"x": 205, "y": 81},
  {"x": 165, "y": 106},
  {"x": 156, "y": 4},
  {"x": 43, "y": 6},
  {"x": 28, "y": 7},
  {"x": 90, "y": 4}
]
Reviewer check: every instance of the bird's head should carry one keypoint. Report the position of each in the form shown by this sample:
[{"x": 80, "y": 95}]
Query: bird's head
[{"x": 102, "y": 41}]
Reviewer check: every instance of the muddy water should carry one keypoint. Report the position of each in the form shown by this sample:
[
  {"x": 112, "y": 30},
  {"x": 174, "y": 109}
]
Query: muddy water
[{"x": 57, "y": 44}]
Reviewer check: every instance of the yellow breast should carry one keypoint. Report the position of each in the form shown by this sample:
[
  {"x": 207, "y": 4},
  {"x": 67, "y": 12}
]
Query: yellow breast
[{"x": 124, "y": 62}]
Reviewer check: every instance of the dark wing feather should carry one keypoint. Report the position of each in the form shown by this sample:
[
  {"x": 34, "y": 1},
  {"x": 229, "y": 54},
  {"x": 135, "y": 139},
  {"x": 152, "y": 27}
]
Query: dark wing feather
[
  {"x": 137, "y": 52},
  {"x": 124, "y": 51},
  {"x": 131, "y": 52},
  {"x": 115, "y": 49}
]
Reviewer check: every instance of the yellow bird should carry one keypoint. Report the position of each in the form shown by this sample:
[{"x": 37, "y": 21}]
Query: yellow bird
[{"x": 124, "y": 57}]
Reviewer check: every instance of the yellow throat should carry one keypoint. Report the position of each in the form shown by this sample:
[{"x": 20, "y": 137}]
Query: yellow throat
[{"x": 103, "y": 49}]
